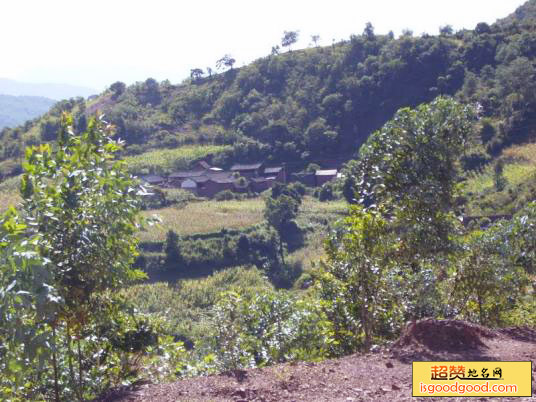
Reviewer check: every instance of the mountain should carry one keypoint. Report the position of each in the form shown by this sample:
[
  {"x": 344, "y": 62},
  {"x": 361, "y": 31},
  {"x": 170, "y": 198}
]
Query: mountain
[
  {"x": 52, "y": 91},
  {"x": 15, "y": 110},
  {"x": 322, "y": 103}
]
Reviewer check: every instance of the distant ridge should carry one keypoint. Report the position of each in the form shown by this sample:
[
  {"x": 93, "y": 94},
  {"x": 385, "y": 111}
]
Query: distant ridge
[
  {"x": 51, "y": 91},
  {"x": 15, "y": 110}
]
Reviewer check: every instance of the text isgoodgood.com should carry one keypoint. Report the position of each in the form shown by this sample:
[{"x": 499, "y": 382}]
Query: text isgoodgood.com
[{"x": 467, "y": 388}]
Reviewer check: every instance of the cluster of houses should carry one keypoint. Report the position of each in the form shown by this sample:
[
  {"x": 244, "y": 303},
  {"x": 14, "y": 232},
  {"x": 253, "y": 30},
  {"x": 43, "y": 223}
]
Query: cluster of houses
[{"x": 205, "y": 180}]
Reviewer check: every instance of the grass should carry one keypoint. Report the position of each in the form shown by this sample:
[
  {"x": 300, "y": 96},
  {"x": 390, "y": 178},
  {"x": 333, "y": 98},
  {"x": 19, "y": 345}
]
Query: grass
[
  {"x": 520, "y": 174},
  {"x": 212, "y": 216},
  {"x": 187, "y": 303},
  {"x": 205, "y": 217},
  {"x": 170, "y": 159}
]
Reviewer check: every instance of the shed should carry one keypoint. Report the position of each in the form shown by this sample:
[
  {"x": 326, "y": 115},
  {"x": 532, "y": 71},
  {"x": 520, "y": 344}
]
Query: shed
[
  {"x": 323, "y": 176},
  {"x": 201, "y": 165}
]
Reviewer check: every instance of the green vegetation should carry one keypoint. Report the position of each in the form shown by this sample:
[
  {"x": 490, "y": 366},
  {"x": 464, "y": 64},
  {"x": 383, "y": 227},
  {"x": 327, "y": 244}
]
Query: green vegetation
[
  {"x": 63, "y": 335},
  {"x": 167, "y": 160},
  {"x": 320, "y": 102},
  {"x": 204, "y": 217},
  {"x": 244, "y": 284}
]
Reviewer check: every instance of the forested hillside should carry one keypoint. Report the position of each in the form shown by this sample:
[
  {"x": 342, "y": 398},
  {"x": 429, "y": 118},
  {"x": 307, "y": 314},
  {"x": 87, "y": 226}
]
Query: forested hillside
[
  {"x": 323, "y": 101},
  {"x": 430, "y": 223},
  {"x": 15, "y": 110}
]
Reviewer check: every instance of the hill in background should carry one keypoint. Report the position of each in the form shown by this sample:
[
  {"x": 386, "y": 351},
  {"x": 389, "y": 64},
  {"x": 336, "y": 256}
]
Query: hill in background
[
  {"x": 320, "y": 103},
  {"x": 52, "y": 91},
  {"x": 15, "y": 110}
]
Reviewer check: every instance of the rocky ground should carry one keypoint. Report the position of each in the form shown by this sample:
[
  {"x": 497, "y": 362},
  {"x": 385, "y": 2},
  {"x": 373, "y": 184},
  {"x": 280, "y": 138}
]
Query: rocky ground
[{"x": 382, "y": 375}]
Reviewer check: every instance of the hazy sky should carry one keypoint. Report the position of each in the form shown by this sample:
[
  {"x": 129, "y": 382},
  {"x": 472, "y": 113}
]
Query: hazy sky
[{"x": 94, "y": 42}]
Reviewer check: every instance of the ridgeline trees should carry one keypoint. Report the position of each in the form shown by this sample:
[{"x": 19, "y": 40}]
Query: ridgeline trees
[{"x": 289, "y": 38}]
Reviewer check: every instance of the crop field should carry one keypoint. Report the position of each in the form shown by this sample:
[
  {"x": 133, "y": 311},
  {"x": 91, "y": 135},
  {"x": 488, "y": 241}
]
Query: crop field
[
  {"x": 204, "y": 217},
  {"x": 170, "y": 159},
  {"x": 212, "y": 216},
  {"x": 520, "y": 183}
]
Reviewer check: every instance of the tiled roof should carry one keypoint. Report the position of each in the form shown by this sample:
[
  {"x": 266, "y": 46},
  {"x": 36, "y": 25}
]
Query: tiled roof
[
  {"x": 273, "y": 170},
  {"x": 252, "y": 166},
  {"x": 262, "y": 179},
  {"x": 152, "y": 179},
  {"x": 330, "y": 172},
  {"x": 184, "y": 175}
]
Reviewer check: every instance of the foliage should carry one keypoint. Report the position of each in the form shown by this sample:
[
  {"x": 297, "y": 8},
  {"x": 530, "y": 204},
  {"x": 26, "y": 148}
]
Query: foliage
[
  {"x": 357, "y": 283},
  {"x": 272, "y": 327},
  {"x": 161, "y": 161},
  {"x": 488, "y": 282},
  {"x": 410, "y": 167},
  {"x": 279, "y": 213},
  {"x": 404, "y": 231},
  {"x": 72, "y": 242}
]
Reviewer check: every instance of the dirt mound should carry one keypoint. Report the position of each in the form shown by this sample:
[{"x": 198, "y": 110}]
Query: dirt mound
[{"x": 444, "y": 335}]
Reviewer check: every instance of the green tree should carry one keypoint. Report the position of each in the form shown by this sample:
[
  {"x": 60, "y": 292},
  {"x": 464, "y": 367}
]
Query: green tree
[
  {"x": 289, "y": 38},
  {"x": 196, "y": 74},
  {"x": 225, "y": 61},
  {"x": 279, "y": 212},
  {"x": 356, "y": 284},
  {"x": 411, "y": 167},
  {"x": 404, "y": 231},
  {"x": 117, "y": 88},
  {"x": 172, "y": 250},
  {"x": 80, "y": 209}
]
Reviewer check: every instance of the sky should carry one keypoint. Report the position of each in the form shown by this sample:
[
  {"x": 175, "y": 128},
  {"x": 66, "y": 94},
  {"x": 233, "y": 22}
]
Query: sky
[{"x": 95, "y": 43}]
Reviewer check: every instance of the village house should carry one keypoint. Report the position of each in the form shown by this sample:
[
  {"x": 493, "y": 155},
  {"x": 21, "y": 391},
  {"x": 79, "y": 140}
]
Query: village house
[
  {"x": 205, "y": 180},
  {"x": 323, "y": 176},
  {"x": 153, "y": 180},
  {"x": 249, "y": 170},
  {"x": 277, "y": 172}
]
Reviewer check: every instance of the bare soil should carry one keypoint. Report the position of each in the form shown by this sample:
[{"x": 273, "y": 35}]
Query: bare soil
[{"x": 382, "y": 375}]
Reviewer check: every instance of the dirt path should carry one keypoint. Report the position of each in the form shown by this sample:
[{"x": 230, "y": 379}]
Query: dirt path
[{"x": 381, "y": 376}]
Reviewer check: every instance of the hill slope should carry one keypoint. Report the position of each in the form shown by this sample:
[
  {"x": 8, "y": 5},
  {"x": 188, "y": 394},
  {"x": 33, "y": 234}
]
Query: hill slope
[{"x": 319, "y": 104}]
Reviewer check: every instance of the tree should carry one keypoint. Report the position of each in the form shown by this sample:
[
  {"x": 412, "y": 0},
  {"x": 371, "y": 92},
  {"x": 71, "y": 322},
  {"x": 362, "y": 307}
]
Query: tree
[
  {"x": 225, "y": 61},
  {"x": 498, "y": 175},
  {"x": 289, "y": 38},
  {"x": 368, "y": 32},
  {"x": 403, "y": 231},
  {"x": 172, "y": 250},
  {"x": 315, "y": 39},
  {"x": 117, "y": 88},
  {"x": 279, "y": 212},
  {"x": 196, "y": 74},
  {"x": 356, "y": 283},
  {"x": 411, "y": 167},
  {"x": 446, "y": 30},
  {"x": 80, "y": 208}
]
